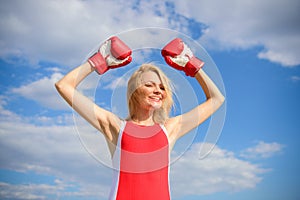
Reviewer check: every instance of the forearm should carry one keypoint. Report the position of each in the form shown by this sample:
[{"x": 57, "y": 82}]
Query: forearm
[
  {"x": 70, "y": 81},
  {"x": 74, "y": 77},
  {"x": 214, "y": 99},
  {"x": 211, "y": 91}
]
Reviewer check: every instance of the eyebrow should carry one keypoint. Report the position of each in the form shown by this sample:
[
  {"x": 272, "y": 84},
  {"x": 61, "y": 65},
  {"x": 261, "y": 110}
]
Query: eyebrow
[{"x": 160, "y": 83}]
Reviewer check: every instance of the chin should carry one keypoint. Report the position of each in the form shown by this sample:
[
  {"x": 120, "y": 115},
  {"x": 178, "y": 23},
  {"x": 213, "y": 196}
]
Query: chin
[{"x": 156, "y": 107}]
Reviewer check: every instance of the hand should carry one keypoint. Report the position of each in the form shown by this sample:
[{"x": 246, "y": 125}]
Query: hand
[
  {"x": 113, "y": 53},
  {"x": 178, "y": 55}
]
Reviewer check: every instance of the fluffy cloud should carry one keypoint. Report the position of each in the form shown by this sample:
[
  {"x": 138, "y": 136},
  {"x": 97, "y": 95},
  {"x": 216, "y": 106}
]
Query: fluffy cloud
[
  {"x": 233, "y": 24},
  {"x": 39, "y": 191},
  {"x": 42, "y": 91},
  {"x": 65, "y": 31},
  {"x": 55, "y": 150},
  {"x": 262, "y": 150},
  {"x": 220, "y": 171}
]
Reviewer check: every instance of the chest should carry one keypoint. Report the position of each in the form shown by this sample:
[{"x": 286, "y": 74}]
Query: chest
[{"x": 140, "y": 139}]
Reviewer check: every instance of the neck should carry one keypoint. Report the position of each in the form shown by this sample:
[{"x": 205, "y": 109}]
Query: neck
[{"x": 143, "y": 118}]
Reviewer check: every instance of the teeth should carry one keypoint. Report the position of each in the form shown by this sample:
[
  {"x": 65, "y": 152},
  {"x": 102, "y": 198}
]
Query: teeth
[{"x": 155, "y": 98}]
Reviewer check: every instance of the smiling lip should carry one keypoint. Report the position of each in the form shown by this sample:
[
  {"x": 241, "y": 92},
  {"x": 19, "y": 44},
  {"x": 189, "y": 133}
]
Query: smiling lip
[{"x": 157, "y": 99}]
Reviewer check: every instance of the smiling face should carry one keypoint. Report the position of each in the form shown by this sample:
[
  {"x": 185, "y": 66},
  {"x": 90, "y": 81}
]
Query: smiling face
[
  {"x": 151, "y": 92},
  {"x": 149, "y": 89}
]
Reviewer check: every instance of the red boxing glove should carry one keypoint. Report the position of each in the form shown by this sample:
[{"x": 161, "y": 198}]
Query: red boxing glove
[
  {"x": 178, "y": 55},
  {"x": 112, "y": 53}
]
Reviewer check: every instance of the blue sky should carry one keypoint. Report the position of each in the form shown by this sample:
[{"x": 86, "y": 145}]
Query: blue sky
[{"x": 251, "y": 49}]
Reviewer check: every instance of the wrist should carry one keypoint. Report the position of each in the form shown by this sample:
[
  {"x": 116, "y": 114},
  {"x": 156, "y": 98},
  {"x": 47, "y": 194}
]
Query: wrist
[{"x": 89, "y": 66}]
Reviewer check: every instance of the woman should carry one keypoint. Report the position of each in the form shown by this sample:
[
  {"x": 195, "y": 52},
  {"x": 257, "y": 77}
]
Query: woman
[{"x": 140, "y": 145}]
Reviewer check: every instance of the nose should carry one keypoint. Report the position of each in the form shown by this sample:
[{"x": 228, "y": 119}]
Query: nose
[{"x": 157, "y": 90}]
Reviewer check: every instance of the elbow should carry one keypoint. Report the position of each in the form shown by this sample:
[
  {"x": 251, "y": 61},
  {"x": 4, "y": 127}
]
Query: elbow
[
  {"x": 58, "y": 86},
  {"x": 65, "y": 91},
  {"x": 220, "y": 100}
]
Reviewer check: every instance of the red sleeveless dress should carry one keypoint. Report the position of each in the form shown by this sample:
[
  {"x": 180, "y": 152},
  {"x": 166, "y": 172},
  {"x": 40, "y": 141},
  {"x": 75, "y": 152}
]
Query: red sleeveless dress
[{"x": 141, "y": 163}]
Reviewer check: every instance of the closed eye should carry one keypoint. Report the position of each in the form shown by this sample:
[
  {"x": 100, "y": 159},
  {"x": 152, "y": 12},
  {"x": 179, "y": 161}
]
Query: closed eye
[
  {"x": 151, "y": 84},
  {"x": 148, "y": 84}
]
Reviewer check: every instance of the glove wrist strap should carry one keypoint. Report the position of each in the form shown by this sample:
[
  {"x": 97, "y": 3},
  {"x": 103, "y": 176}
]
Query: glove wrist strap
[
  {"x": 98, "y": 63},
  {"x": 193, "y": 66}
]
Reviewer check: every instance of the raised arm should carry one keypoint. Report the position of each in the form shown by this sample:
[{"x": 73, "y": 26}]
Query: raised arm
[
  {"x": 193, "y": 118},
  {"x": 179, "y": 56},
  {"x": 111, "y": 54}
]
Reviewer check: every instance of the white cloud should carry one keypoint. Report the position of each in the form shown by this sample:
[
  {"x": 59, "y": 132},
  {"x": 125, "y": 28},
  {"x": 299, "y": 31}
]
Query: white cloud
[
  {"x": 32, "y": 191},
  {"x": 220, "y": 171},
  {"x": 43, "y": 92},
  {"x": 65, "y": 31},
  {"x": 55, "y": 150},
  {"x": 233, "y": 24},
  {"x": 9, "y": 191},
  {"x": 56, "y": 190},
  {"x": 262, "y": 150},
  {"x": 4, "y": 113}
]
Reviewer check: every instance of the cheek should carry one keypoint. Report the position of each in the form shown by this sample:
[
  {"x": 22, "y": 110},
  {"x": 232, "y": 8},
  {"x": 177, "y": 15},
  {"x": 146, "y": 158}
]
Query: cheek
[
  {"x": 164, "y": 95},
  {"x": 143, "y": 92},
  {"x": 141, "y": 95}
]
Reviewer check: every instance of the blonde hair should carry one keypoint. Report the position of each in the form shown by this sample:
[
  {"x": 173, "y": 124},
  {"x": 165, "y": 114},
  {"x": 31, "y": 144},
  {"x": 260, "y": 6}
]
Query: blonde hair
[{"x": 160, "y": 115}]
